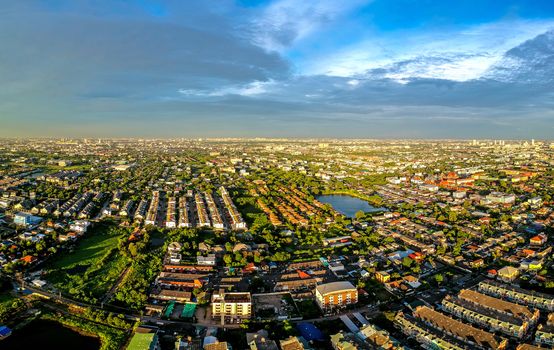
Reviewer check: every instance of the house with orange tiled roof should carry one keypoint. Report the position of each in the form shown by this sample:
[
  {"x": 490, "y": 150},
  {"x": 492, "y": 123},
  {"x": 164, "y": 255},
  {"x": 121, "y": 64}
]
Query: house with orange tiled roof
[
  {"x": 528, "y": 252},
  {"x": 539, "y": 239},
  {"x": 417, "y": 256}
]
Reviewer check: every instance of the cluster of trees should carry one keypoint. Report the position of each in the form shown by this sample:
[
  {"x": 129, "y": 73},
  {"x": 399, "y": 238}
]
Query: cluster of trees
[
  {"x": 9, "y": 308},
  {"x": 49, "y": 190},
  {"x": 241, "y": 258},
  {"x": 132, "y": 249},
  {"x": 133, "y": 291},
  {"x": 147, "y": 263},
  {"x": 107, "y": 318},
  {"x": 88, "y": 286}
]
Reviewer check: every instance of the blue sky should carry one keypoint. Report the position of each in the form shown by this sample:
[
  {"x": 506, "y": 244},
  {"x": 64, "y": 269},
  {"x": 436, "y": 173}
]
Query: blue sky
[{"x": 325, "y": 68}]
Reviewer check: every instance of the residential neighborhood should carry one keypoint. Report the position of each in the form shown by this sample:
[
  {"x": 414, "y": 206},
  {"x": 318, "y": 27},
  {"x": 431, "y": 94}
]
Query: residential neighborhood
[{"x": 281, "y": 244}]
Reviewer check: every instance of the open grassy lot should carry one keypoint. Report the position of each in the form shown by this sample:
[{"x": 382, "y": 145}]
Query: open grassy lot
[
  {"x": 87, "y": 251},
  {"x": 94, "y": 265}
]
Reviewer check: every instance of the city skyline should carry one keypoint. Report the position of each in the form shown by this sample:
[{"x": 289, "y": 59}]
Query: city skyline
[{"x": 359, "y": 69}]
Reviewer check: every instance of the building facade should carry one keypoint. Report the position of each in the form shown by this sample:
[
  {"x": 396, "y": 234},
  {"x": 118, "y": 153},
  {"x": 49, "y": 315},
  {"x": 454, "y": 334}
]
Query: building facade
[
  {"x": 231, "y": 305},
  {"x": 336, "y": 294}
]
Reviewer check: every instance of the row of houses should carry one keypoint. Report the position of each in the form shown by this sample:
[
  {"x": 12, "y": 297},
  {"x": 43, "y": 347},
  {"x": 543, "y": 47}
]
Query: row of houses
[
  {"x": 433, "y": 329},
  {"x": 518, "y": 295},
  {"x": 494, "y": 307},
  {"x": 492, "y": 313},
  {"x": 236, "y": 222},
  {"x": 74, "y": 205},
  {"x": 152, "y": 214}
]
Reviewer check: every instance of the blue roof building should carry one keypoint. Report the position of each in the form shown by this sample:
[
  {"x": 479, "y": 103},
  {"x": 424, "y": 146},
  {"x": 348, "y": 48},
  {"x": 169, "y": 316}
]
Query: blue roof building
[
  {"x": 5, "y": 332},
  {"x": 310, "y": 332}
]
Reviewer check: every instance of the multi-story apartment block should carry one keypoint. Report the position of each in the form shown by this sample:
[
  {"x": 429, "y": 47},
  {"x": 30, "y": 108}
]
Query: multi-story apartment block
[
  {"x": 336, "y": 294},
  {"x": 140, "y": 213},
  {"x": 502, "y": 198},
  {"x": 232, "y": 305},
  {"x": 545, "y": 335},
  {"x": 126, "y": 209},
  {"x": 545, "y": 332}
]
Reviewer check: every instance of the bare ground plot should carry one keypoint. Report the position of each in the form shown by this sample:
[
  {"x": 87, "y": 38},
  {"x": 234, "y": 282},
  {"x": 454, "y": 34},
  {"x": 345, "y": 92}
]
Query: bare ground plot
[{"x": 275, "y": 306}]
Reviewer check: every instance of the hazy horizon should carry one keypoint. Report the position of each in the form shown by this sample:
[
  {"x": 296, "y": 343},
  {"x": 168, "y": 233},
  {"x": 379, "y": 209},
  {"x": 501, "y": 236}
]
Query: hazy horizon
[{"x": 93, "y": 139}]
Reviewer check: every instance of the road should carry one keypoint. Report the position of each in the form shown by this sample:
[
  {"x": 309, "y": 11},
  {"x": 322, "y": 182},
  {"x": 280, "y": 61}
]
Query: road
[
  {"x": 371, "y": 310},
  {"x": 129, "y": 315},
  {"x": 132, "y": 316}
]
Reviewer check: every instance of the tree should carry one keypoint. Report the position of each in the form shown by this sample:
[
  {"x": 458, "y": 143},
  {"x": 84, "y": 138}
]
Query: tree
[
  {"x": 439, "y": 278},
  {"x": 228, "y": 259},
  {"x": 133, "y": 249}
]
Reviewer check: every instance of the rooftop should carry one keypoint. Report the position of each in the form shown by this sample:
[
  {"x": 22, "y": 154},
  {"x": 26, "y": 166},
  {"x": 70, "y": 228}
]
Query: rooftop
[
  {"x": 517, "y": 310},
  {"x": 334, "y": 287},
  {"x": 457, "y": 328}
]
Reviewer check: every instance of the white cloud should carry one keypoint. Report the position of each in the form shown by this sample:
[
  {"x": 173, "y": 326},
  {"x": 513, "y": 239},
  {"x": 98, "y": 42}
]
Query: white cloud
[
  {"x": 458, "y": 55},
  {"x": 284, "y": 22},
  {"x": 250, "y": 89},
  {"x": 457, "y": 68}
]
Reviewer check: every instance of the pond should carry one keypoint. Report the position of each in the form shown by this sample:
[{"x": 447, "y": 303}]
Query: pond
[
  {"x": 348, "y": 205},
  {"x": 46, "y": 334}
]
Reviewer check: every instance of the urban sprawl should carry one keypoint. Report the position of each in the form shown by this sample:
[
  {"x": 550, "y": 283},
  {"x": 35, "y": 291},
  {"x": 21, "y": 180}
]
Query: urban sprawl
[{"x": 280, "y": 244}]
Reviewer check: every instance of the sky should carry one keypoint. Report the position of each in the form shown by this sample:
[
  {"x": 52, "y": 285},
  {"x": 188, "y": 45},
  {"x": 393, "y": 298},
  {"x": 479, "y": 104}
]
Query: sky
[{"x": 417, "y": 69}]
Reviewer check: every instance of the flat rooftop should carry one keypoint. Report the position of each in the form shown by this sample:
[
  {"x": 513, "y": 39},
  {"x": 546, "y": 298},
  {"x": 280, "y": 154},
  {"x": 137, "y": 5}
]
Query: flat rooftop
[{"x": 334, "y": 287}]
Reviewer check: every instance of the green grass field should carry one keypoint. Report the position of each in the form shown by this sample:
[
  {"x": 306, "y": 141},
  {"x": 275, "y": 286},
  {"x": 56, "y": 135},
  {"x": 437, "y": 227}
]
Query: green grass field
[
  {"x": 87, "y": 251},
  {"x": 92, "y": 268}
]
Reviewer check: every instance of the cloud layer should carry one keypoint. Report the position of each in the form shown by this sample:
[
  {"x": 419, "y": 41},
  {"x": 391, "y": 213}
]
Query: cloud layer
[{"x": 281, "y": 68}]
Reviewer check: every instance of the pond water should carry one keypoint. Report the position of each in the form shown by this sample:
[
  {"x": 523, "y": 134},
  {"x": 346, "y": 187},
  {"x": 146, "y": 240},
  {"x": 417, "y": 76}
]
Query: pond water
[
  {"x": 348, "y": 205},
  {"x": 44, "y": 334}
]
